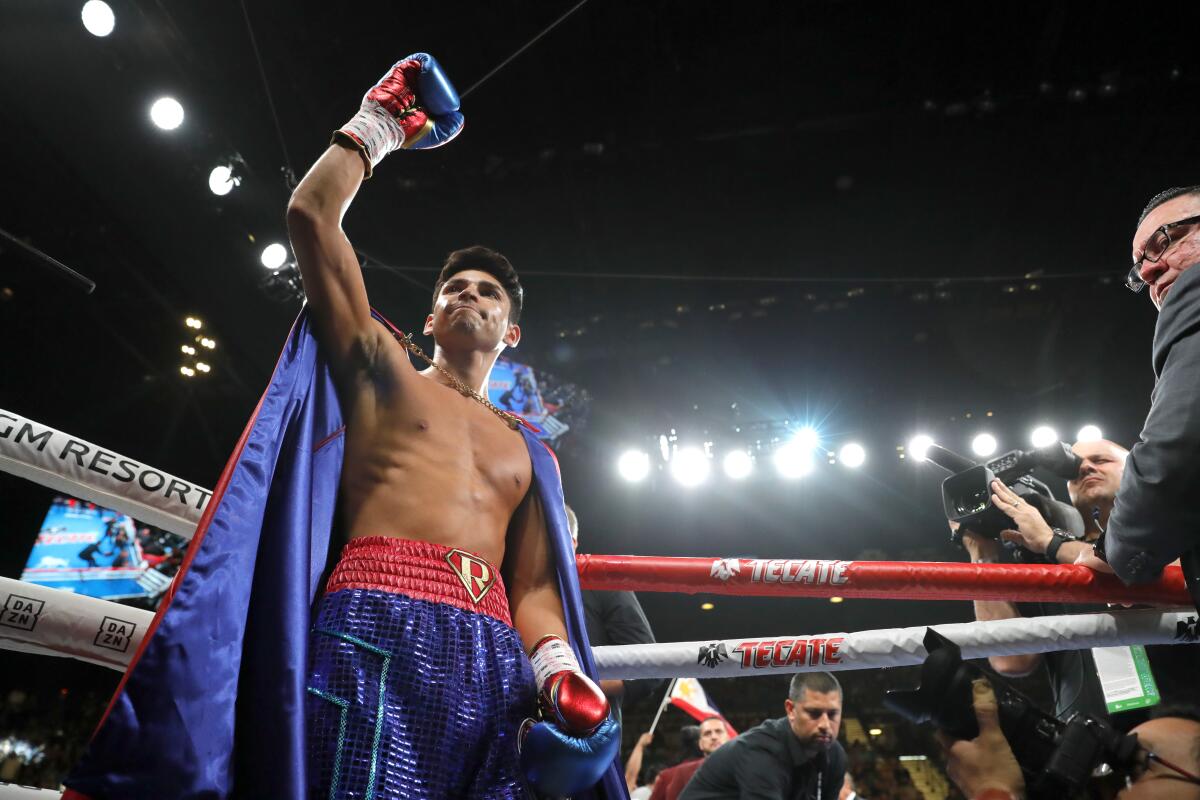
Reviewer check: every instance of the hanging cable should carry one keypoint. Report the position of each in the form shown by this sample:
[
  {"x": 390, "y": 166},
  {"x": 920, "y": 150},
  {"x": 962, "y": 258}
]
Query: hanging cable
[{"x": 289, "y": 175}]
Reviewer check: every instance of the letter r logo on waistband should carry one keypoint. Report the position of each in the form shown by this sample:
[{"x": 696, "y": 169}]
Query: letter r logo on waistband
[{"x": 476, "y": 574}]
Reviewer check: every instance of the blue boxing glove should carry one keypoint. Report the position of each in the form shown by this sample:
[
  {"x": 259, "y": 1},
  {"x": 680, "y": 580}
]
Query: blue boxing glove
[
  {"x": 558, "y": 764},
  {"x": 414, "y": 106},
  {"x": 569, "y": 751}
]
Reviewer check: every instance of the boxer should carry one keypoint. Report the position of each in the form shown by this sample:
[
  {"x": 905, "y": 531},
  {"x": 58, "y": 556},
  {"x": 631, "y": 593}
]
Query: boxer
[{"x": 418, "y": 679}]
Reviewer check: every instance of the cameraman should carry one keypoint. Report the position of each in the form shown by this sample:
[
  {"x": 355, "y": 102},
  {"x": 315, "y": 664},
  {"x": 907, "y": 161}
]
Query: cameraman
[
  {"x": 1167, "y": 764},
  {"x": 1072, "y": 673}
]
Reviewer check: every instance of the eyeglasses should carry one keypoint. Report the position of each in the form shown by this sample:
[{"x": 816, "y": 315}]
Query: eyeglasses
[
  {"x": 1156, "y": 245},
  {"x": 1142, "y": 766}
]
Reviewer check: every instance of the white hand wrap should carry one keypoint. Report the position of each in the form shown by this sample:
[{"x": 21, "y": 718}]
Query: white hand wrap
[
  {"x": 551, "y": 656},
  {"x": 376, "y": 132}
]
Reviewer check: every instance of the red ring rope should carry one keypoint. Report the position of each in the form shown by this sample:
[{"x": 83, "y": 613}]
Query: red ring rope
[{"x": 889, "y": 580}]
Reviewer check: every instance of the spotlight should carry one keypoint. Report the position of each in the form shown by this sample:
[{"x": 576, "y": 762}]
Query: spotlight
[
  {"x": 852, "y": 455},
  {"x": 876, "y": 731},
  {"x": 1043, "y": 436},
  {"x": 200, "y": 365},
  {"x": 187, "y": 371},
  {"x": 690, "y": 466},
  {"x": 166, "y": 113},
  {"x": 221, "y": 181},
  {"x": 837, "y": 599},
  {"x": 207, "y": 342},
  {"x": 1089, "y": 433},
  {"x": 707, "y": 606},
  {"x": 633, "y": 465},
  {"x": 918, "y": 447},
  {"x": 984, "y": 444},
  {"x": 192, "y": 322},
  {"x": 808, "y": 438},
  {"x": 188, "y": 350},
  {"x": 274, "y": 256},
  {"x": 794, "y": 460},
  {"x": 738, "y": 464},
  {"x": 98, "y": 18}
]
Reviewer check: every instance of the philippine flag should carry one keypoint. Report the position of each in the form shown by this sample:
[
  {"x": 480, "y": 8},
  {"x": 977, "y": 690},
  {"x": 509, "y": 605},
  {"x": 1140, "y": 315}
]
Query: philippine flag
[{"x": 688, "y": 696}]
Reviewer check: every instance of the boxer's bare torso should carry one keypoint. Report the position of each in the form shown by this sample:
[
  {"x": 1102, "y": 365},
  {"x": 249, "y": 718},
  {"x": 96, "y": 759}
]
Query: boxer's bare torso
[{"x": 424, "y": 462}]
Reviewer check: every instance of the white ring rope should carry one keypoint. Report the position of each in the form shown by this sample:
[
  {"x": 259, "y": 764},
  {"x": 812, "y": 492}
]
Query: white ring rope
[
  {"x": 40, "y": 620},
  {"x": 68, "y": 464}
]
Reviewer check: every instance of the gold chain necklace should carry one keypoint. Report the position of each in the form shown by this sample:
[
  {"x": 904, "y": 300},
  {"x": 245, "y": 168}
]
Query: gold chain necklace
[{"x": 511, "y": 420}]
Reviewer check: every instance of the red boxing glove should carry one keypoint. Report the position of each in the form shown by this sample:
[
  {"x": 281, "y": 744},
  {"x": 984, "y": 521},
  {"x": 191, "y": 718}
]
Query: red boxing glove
[
  {"x": 413, "y": 105},
  {"x": 567, "y": 698}
]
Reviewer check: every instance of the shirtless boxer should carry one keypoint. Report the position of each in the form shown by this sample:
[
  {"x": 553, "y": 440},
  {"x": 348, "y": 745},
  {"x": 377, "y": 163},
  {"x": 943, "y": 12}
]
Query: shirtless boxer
[{"x": 435, "y": 495}]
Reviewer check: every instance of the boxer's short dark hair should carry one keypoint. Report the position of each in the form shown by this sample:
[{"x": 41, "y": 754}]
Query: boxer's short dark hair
[
  {"x": 484, "y": 259},
  {"x": 1164, "y": 196}
]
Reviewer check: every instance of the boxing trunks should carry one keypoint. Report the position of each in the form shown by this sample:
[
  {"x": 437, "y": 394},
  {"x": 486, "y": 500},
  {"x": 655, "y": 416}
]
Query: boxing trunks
[{"x": 417, "y": 681}]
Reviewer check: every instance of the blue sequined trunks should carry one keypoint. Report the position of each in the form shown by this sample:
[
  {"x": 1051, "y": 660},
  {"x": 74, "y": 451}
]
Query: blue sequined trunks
[{"x": 417, "y": 681}]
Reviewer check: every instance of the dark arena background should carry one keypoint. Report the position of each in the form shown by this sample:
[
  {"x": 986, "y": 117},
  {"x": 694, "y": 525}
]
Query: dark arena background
[{"x": 775, "y": 228}]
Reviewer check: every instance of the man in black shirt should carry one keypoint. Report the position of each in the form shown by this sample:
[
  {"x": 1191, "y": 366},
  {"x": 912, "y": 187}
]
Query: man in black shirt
[
  {"x": 796, "y": 757},
  {"x": 615, "y": 618}
]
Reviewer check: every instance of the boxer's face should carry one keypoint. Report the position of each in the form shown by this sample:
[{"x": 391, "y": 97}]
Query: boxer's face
[
  {"x": 471, "y": 312},
  {"x": 1183, "y": 252},
  {"x": 1099, "y": 475}
]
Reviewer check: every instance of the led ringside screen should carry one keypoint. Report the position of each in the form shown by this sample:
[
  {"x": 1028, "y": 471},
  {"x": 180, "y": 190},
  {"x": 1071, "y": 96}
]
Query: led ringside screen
[
  {"x": 95, "y": 551},
  {"x": 551, "y": 405}
]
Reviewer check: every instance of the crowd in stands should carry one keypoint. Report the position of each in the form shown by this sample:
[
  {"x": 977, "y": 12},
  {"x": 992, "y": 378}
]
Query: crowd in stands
[{"x": 43, "y": 733}]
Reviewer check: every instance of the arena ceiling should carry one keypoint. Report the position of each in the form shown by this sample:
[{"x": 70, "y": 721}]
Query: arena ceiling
[{"x": 877, "y": 217}]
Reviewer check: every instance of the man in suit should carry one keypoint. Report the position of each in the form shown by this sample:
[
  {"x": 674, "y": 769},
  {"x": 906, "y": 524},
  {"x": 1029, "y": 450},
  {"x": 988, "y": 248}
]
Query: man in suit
[{"x": 1156, "y": 517}]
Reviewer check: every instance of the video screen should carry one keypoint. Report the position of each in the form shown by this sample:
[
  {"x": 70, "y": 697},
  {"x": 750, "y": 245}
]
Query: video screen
[
  {"x": 95, "y": 551},
  {"x": 552, "y": 405}
]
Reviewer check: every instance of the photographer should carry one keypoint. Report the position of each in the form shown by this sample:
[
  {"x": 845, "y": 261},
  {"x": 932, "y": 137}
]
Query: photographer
[
  {"x": 1072, "y": 673},
  {"x": 1166, "y": 765}
]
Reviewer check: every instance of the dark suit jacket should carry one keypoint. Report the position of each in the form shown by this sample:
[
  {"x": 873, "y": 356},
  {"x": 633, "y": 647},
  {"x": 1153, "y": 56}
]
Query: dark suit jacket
[{"x": 1156, "y": 517}]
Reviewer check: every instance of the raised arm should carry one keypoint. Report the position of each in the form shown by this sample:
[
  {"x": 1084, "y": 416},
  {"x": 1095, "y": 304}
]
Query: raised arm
[
  {"x": 333, "y": 282},
  {"x": 412, "y": 106}
]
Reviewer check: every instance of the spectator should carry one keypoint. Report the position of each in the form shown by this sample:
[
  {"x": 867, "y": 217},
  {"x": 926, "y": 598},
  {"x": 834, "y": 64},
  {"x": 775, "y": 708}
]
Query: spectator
[
  {"x": 713, "y": 734},
  {"x": 796, "y": 756}
]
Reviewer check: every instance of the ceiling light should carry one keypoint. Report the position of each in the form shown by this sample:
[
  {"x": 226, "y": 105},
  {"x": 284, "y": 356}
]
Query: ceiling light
[
  {"x": 1089, "y": 433},
  {"x": 794, "y": 460},
  {"x": 984, "y": 444},
  {"x": 808, "y": 438},
  {"x": 98, "y": 18},
  {"x": 738, "y": 464},
  {"x": 274, "y": 256},
  {"x": 852, "y": 455},
  {"x": 192, "y": 322},
  {"x": 837, "y": 599},
  {"x": 200, "y": 365},
  {"x": 166, "y": 113},
  {"x": 188, "y": 350},
  {"x": 1043, "y": 436},
  {"x": 221, "y": 181},
  {"x": 707, "y": 606},
  {"x": 690, "y": 466},
  {"x": 633, "y": 465},
  {"x": 918, "y": 447}
]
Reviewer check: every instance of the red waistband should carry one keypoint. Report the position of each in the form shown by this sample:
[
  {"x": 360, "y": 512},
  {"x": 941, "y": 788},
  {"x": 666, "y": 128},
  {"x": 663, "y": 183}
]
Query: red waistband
[{"x": 424, "y": 571}]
